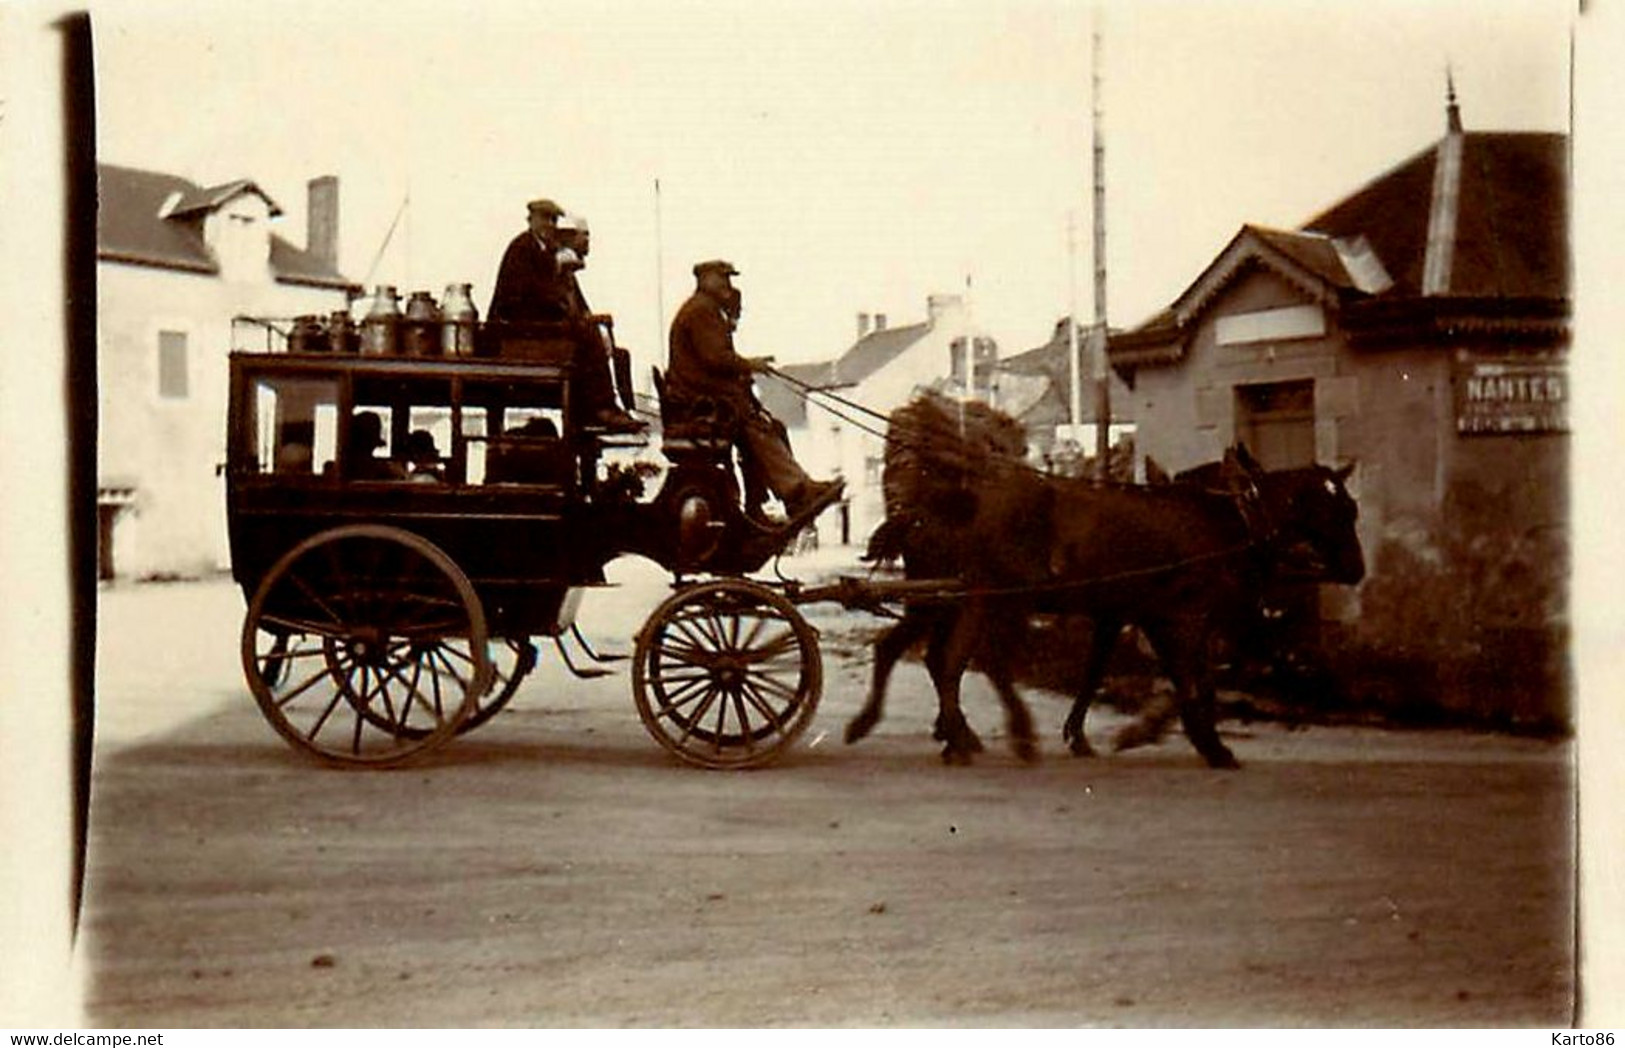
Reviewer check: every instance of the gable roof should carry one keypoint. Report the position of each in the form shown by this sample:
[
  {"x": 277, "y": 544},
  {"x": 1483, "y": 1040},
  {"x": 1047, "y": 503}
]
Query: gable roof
[
  {"x": 155, "y": 219},
  {"x": 786, "y": 401},
  {"x": 875, "y": 350},
  {"x": 208, "y": 199},
  {"x": 1368, "y": 252},
  {"x": 1051, "y": 365},
  {"x": 863, "y": 358}
]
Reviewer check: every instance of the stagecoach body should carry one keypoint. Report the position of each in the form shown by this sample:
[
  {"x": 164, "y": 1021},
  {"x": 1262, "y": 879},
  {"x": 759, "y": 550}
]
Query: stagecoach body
[{"x": 393, "y": 604}]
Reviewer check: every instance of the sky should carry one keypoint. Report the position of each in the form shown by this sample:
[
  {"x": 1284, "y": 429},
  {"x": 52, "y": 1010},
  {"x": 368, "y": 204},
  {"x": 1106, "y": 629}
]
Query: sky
[{"x": 846, "y": 156}]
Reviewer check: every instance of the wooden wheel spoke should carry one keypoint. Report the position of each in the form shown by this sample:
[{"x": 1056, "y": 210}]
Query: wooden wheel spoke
[
  {"x": 287, "y": 697},
  {"x": 695, "y": 637},
  {"x": 763, "y": 706},
  {"x": 776, "y": 648},
  {"x": 674, "y": 699},
  {"x": 743, "y": 717},
  {"x": 710, "y": 696},
  {"x": 769, "y": 683}
]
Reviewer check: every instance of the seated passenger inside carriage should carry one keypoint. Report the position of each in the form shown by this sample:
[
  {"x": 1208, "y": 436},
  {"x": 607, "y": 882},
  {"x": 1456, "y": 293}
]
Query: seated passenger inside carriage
[
  {"x": 704, "y": 368},
  {"x": 423, "y": 462},
  {"x": 360, "y": 456}
]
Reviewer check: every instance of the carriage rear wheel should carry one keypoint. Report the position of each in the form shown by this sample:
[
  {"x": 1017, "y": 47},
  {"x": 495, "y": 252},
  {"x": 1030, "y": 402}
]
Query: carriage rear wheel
[
  {"x": 366, "y": 645},
  {"x": 727, "y": 674}
]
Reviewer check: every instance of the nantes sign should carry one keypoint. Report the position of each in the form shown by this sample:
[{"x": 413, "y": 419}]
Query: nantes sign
[{"x": 1512, "y": 398}]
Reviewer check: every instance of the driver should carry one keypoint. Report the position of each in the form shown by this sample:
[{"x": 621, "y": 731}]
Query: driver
[{"x": 704, "y": 364}]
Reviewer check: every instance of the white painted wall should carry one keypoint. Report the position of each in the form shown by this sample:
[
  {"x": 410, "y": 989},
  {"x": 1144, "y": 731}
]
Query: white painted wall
[{"x": 169, "y": 448}]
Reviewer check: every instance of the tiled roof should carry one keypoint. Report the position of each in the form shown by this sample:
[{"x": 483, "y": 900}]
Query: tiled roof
[
  {"x": 130, "y": 229},
  {"x": 1369, "y": 250},
  {"x": 863, "y": 358},
  {"x": 785, "y": 400},
  {"x": 1511, "y": 226},
  {"x": 1051, "y": 362},
  {"x": 203, "y": 200}
]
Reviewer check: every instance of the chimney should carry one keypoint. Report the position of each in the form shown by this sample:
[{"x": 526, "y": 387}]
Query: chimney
[
  {"x": 863, "y": 324},
  {"x": 322, "y": 220},
  {"x": 880, "y": 321}
]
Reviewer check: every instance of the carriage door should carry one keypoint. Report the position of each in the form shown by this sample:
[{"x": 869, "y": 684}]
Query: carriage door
[{"x": 1276, "y": 421}]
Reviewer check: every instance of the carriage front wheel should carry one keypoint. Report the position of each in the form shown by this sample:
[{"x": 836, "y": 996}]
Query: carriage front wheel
[
  {"x": 366, "y": 645},
  {"x": 727, "y": 674}
]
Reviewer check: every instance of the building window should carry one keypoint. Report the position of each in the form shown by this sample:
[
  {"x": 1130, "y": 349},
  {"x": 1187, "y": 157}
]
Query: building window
[
  {"x": 172, "y": 376},
  {"x": 1276, "y": 420}
]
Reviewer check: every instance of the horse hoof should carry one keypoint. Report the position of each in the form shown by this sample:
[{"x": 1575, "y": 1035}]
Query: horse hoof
[
  {"x": 1080, "y": 747},
  {"x": 1222, "y": 760},
  {"x": 1027, "y": 750},
  {"x": 956, "y": 757},
  {"x": 858, "y": 728}
]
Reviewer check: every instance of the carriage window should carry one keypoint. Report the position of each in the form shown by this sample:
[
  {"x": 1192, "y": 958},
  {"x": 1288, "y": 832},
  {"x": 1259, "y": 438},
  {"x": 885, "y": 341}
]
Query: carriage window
[
  {"x": 514, "y": 433},
  {"x": 294, "y": 423}
]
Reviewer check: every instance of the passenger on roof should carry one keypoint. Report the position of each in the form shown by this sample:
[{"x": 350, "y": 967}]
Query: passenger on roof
[{"x": 536, "y": 285}]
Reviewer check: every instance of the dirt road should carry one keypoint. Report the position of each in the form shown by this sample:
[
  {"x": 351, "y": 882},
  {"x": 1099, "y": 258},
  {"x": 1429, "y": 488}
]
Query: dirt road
[{"x": 556, "y": 868}]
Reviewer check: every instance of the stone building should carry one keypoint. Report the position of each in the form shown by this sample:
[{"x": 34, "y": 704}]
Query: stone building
[{"x": 1418, "y": 328}]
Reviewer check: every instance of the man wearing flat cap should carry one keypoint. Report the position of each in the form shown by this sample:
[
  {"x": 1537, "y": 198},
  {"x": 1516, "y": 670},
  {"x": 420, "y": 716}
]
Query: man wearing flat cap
[
  {"x": 704, "y": 364},
  {"x": 536, "y": 283},
  {"x": 530, "y": 284}
]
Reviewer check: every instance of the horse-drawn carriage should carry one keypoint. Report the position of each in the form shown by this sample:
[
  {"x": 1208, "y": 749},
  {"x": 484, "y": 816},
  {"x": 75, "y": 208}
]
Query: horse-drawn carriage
[
  {"x": 406, "y": 528},
  {"x": 395, "y": 599}
]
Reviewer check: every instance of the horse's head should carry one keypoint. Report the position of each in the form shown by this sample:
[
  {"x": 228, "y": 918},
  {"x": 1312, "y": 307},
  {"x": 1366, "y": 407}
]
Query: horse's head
[{"x": 1315, "y": 515}]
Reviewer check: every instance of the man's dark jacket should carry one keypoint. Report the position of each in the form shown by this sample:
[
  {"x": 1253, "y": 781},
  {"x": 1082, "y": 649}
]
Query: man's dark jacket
[
  {"x": 703, "y": 362},
  {"x": 530, "y": 285}
]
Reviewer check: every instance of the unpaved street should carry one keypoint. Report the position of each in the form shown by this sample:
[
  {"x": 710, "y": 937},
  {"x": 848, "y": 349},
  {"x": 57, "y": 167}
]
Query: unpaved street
[{"x": 557, "y": 868}]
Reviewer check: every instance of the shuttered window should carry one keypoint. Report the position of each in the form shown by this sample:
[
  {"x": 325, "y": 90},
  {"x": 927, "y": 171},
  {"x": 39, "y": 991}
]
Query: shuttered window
[{"x": 173, "y": 381}]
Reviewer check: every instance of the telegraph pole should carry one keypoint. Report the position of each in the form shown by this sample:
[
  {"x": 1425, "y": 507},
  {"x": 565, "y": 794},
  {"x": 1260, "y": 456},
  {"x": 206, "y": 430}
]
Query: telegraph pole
[
  {"x": 1074, "y": 365},
  {"x": 1103, "y": 395}
]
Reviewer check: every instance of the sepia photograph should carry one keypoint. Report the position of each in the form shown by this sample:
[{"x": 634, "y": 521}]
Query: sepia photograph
[{"x": 869, "y": 514}]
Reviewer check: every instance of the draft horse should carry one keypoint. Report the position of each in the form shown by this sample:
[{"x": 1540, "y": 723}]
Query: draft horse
[{"x": 1182, "y": 562}]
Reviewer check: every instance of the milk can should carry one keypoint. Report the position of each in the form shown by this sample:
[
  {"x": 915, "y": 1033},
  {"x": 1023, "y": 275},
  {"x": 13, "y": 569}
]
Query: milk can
[
  {"x": 420, "y": 329},
  {"x": 307, "y": 336},
  {"x": 459, "y": 318},
  {"x": 341, "y": 333},
  {"x": 380, "y": 331}
]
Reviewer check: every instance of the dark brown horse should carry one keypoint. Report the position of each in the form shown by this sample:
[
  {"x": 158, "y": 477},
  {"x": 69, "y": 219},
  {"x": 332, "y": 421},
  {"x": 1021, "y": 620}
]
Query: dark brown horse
[{"x": 1181, "y": 562}]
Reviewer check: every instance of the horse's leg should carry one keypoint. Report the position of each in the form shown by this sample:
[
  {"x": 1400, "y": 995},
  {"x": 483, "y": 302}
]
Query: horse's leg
[
  {"x": 1199, "y": 711},
  {"x": 1183, "y": 648},
  {"x": 959, "y": 742},
  {"x": 1007, "y": 630},
  {"x": 1101, "y": 643},
  {"x": 1154, "y": 718},
  {"x": 892, "y": 646},
  {"x": 936, "y": 665}
]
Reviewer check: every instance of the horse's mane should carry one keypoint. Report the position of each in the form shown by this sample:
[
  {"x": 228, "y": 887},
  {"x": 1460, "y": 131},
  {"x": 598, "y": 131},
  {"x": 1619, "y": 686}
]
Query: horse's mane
[{"x": 937, "y": 450}]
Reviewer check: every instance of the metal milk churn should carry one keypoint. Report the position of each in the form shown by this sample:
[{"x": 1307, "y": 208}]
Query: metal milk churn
[
  {"x": 421, "y": 326},
  {"x": 341, "y": 333},
  {"x": 459, "y": 318},
  {"x": 380, "y": 330},
  {"x": 308, "y": 335}
]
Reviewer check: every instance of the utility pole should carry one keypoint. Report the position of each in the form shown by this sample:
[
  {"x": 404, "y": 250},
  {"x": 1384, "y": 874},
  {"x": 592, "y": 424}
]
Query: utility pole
[
  {"x": 660, "y": 272},
  {"x": 1074, "y": 365},
  {"x": 1103, "y": 394}
]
